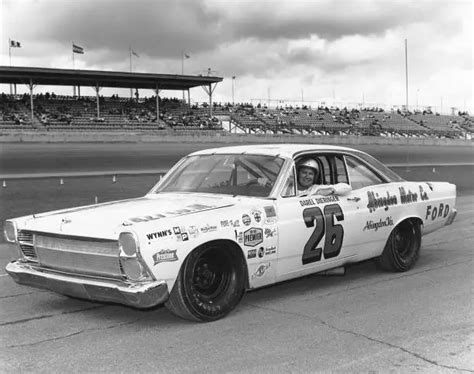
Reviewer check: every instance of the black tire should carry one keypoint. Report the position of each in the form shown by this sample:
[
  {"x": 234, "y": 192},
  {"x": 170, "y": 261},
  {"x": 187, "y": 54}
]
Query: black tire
[
  {"x": 402, "y": 248},
  {"x": 209, "y": 285}
]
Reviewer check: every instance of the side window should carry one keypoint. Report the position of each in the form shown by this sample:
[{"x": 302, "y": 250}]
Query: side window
[
  {"x": 340, "y": 169},
  {"x": 289, "y": 189},
  {"x": 360, "y": 175}
]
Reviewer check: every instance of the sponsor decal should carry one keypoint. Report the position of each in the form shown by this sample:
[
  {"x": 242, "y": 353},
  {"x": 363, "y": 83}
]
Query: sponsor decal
[
  {"x": 188, "y": 209},
  {"x": 257, "y": 215},
  {"x": 252, "y": 253},
  {"x": 261, "y": 270},
  {"x": 235, "y": 223},
  {"x": 165, "y": 255},
  {"x": 371, "y": 225},
  {"x": 407, "y": 197},
  {"x": 270, "y": 233},
  {"x": 253, "y": 237},
  {"x": 184, "y": 236},
  {"x": 225, "y": 223},
  {"x": 193, "y": 231},
  {"x": 423, "y": 194},
  {"x": 319, "y": 200},
  {"x": 239, "y": 236},
  {"x": 434, "y": 212},
  {"x": 270, "y": 214},
  {"x": 270, "y": 250},
  {"x": 246, "y": 219},
  {"x": 159, "y": 234},
  {"x": 208, "y": 228},
  {"x": 376, "y": 201},
  {"x": 261, "y": 252},
  {"x": 176, "y": 230}
]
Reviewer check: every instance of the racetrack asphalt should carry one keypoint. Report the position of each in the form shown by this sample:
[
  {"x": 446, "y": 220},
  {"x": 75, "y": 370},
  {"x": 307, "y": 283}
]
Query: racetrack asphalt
[{"x": 366, "y": 321}]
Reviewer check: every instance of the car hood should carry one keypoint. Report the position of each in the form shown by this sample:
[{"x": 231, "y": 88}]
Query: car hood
[{"x": 107, "y": 220}]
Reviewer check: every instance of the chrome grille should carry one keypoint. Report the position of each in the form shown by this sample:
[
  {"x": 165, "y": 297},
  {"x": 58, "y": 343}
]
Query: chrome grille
[
  {"x": 25, "y": 240},
  {"x": 86, "y": 256}
]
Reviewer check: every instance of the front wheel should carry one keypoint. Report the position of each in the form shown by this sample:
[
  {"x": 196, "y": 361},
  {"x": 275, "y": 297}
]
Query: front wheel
[
  {"x": 210, "y": 284},
  {"x": 402, "y": 248}
]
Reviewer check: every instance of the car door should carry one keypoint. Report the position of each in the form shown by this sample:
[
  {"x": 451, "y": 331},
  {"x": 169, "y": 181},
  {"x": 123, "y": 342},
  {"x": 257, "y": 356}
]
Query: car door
[{"x": 322, "y": 232}]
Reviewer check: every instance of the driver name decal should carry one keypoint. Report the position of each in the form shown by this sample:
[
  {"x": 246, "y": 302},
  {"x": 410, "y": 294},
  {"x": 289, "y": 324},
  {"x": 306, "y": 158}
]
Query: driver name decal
[
  {"x": 319, "y": 200},
  {"x": 253, "y": 237}
]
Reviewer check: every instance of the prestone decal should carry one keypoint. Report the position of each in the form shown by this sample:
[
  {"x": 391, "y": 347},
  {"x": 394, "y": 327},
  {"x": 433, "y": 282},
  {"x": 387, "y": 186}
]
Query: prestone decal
[{"x": 165, "y": 255}]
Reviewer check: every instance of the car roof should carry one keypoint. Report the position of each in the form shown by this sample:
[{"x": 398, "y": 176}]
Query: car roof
[{"x": 283, "y": 150}]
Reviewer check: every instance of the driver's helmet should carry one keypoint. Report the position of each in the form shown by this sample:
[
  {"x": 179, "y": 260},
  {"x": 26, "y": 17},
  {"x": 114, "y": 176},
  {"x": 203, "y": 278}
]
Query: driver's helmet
[{"x": 309, "y": 163}]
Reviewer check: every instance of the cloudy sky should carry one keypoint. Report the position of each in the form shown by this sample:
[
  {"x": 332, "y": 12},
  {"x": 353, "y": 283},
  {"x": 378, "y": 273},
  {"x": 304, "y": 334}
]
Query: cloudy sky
[{"x": 342, "y": 51}]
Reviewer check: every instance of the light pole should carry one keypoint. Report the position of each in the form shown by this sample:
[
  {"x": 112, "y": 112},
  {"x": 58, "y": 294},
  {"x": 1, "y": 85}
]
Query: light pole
[{"x": 233, "y": 80}]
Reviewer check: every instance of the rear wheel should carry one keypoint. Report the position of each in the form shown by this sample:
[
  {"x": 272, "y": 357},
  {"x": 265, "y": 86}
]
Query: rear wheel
[
  {"x": 402, "y": 248},
  {"x": 210, "y": 284}
]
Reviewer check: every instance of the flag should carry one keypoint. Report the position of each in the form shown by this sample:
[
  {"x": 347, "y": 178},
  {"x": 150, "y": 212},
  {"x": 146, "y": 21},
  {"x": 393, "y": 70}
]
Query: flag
[
  {"x": 77, "y": 49},
  {"x": 135, "y": 53},
  {"x": 186, "y": 55},
  {"x": 15, "y": 44}
]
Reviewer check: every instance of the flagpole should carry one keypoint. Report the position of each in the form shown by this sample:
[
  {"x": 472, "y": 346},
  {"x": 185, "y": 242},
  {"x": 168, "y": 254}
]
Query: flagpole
[
  {"x": 10, "y": 54},
  {"x": 130, "y": 53},
  {"x": 182, "y": 68},
  {"x": 74, "y": 67}
]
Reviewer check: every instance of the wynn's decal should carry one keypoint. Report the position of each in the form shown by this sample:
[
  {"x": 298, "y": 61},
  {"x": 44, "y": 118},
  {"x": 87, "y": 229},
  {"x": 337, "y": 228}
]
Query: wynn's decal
[
  {"x": 165, "y": 255},
  {"x": 253, "y": 237},
  {"x": 376, "y": 201},
  {"x": 188, "y": 209},
  {"x": 433, "y": 212},
  {"x": 159, "y": 234},
  {"x": 371, "y": 225}
]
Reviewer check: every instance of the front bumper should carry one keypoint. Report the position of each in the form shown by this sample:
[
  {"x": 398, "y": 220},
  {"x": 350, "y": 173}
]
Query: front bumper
[{"x": 138, "y": 295}]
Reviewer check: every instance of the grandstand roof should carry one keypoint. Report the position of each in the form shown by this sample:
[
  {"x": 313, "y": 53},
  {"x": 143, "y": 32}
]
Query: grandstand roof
[{"x": 75, "y": 77}]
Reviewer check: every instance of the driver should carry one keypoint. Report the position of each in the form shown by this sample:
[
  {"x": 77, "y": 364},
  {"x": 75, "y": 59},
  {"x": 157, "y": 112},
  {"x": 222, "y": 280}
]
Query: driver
[
  {"x": 307, "y": 175},
  {"x": 308, "y": 171}
]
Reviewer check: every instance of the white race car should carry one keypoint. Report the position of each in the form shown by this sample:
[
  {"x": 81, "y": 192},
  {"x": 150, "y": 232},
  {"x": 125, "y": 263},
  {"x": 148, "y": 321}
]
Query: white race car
[{"x": 226, "y": 220}]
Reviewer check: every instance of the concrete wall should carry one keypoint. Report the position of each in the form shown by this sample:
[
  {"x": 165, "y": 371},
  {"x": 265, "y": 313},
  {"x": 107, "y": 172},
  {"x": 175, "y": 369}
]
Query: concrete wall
[{"x": 207, "y": 136}]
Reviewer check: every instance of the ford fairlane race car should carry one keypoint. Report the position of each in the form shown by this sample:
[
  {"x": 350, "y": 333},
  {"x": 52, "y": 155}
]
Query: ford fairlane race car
[{"x": 226, "y": 220}]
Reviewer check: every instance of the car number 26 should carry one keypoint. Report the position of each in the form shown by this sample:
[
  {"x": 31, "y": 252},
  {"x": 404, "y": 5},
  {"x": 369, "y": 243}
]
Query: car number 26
[{"x": 324, "y": 225}]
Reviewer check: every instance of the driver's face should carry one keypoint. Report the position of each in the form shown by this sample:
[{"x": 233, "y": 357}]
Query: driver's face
[{"x": 306, "y": 177}]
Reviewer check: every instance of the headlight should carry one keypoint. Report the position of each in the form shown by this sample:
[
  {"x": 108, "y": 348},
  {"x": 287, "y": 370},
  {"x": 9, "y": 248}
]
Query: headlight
[
  {"x": 9, "y": 231},
  {"x": 128, "y": 244},
  {"x": 131, "y": 262}
]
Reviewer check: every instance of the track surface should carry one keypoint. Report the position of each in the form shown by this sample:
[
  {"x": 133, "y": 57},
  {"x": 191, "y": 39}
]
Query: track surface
[{"x": 365, "y": 321}]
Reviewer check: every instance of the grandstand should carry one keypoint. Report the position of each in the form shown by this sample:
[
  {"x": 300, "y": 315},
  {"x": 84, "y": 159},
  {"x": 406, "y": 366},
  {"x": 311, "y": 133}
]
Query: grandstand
[{"x": 53, "y": 113}]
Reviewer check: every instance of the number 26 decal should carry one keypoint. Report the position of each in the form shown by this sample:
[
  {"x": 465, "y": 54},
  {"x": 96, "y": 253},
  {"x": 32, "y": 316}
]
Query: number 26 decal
[{"x": 324, "y": 225}]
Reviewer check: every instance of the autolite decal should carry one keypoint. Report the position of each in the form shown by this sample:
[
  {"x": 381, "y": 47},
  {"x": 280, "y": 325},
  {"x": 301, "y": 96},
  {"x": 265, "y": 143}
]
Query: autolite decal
[
  {"x": 165, "y": 255},
  {"x": 188, "y": 209}
]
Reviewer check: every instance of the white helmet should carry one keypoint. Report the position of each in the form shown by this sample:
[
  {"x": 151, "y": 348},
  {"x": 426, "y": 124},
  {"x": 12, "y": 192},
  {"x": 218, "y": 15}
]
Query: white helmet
[{"x": 309, "y": 163}]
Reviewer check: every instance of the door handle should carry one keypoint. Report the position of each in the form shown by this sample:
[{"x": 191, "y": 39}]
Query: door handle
[{"x": 356, "y": 199}]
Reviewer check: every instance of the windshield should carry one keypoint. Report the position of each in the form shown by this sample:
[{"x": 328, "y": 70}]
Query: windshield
[{"x": 243, "y": 174}]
